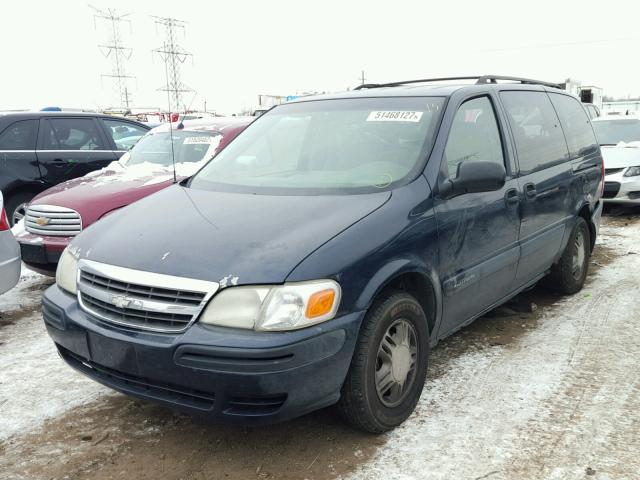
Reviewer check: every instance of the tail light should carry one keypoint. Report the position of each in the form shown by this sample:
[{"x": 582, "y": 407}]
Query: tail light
[
  {"x": 4, "y": 221},
  {"x": 174, "y": 117}
]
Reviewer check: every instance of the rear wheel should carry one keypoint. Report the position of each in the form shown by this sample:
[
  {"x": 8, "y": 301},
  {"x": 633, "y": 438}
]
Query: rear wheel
[
  {"x": 569, "y": 274},
  {"x": 17, "y": 206},
  {"x": 389, "y": 365}
]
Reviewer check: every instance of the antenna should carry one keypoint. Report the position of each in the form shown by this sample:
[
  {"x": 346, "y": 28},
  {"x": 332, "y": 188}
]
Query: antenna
[
  {"x": 173, "y": 155},
  {"x": 362, "y": 79},
  {"x": 173, "y": 56},
  {"x": 116, "y": 51}
]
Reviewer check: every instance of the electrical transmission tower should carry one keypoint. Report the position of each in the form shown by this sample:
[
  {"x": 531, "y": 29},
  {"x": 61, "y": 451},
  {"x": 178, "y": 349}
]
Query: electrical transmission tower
[
  {"x": 116, "y": 52},
  {"x": 173, "y": 56}
]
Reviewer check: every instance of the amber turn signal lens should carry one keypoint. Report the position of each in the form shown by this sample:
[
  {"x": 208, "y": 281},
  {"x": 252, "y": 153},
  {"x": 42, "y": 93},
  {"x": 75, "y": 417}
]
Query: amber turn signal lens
[{"x": 320, "y": 303}]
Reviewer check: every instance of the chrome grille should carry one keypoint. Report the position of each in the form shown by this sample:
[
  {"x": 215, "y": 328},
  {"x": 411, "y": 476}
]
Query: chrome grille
[
  {"x": 52, "y": 220},
  {"x": 141, "y": 291},
  {"x": 141, "y": 300}
]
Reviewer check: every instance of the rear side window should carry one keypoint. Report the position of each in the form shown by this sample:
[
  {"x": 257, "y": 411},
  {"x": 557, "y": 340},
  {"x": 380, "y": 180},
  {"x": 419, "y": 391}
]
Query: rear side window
[
  {"x": 124, "y": 134},
  {"x": 592, "y": 111},
  {"x": 19, "y": 135},
  {"x": 536, "y": 130},
  {"x": 474, "y": 136},
  {"x": 72, "y": 134},
  {"x": 575, "y": 123}
]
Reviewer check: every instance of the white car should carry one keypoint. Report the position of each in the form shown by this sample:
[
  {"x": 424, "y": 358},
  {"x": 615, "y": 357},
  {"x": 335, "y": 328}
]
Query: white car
[
  {"x": 10, "y": 263},
  {"x": 619, "y": 139}
]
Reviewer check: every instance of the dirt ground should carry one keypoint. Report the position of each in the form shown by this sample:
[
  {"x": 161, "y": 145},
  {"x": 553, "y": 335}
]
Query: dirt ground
[{"x": 544, "y": 387}]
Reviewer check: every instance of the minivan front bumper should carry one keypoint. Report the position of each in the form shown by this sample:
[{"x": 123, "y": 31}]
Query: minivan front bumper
[{"x": 238, "y": 376}]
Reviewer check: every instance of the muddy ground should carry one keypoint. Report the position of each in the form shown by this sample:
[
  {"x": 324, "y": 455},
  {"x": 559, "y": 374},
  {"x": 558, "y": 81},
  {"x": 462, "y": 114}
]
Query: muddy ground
[{"x": 543, "y": 387}]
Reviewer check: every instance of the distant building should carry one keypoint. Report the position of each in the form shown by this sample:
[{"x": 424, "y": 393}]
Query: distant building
[
  {"x": 587, "y": 94},
  {"x": 626, "y": 107}
]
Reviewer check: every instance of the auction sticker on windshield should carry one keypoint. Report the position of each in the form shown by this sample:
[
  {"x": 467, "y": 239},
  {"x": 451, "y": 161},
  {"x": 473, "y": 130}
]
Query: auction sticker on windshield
[
  {"x": 196, "y": 140},
  {"x": 397, "y": 116}
]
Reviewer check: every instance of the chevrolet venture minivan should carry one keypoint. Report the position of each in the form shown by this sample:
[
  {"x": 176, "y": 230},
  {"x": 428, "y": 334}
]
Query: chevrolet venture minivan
[{"x": 319, "y": 257}]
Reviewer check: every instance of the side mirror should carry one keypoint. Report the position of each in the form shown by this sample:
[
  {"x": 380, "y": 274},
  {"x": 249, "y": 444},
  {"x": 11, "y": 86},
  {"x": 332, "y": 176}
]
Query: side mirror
[{"x": 474, "y": 177}]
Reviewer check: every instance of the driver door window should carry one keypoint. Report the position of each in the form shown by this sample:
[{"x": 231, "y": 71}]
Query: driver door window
[
  {"x": 125, "y": 135},
  {"x": 474, "y": 136}
]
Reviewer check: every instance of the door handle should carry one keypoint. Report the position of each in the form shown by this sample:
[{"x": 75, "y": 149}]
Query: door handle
[
  {"x": 59, "y": 160},
  {"x": 530, "y": 191},
  {"x": 511, "y": 197}
]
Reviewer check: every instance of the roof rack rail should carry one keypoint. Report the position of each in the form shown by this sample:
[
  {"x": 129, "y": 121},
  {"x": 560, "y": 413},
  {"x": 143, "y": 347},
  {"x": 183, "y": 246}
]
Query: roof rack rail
[{"x": 480, "y": 80}]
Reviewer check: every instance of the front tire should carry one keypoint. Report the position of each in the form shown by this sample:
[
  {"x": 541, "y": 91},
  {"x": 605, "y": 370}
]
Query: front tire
[
  {"x": 389, "y": 365},
  {"x": 569, "y": 274}
]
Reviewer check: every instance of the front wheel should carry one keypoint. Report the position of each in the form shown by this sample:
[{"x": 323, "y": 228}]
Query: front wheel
[
  {"x": 389, "y": 365},
  {"x": 570, "y": 272}
]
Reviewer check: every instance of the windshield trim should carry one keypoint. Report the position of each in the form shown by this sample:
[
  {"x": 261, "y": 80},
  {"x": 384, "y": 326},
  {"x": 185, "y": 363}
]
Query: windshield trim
[{"x": 415, "y": 172}]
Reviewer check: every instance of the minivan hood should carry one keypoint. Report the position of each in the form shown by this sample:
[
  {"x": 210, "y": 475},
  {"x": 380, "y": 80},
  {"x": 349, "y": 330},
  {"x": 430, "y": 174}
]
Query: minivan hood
[
  {"x": 243, "y": 238},
  {"x": 622, "y": 155}
]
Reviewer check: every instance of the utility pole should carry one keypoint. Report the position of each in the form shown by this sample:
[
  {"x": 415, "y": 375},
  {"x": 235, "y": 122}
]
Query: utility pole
[
  {"x": 173, "y": 56},
  {"x": 362, "y": 79},
  {"x": 116, "y": 51}
]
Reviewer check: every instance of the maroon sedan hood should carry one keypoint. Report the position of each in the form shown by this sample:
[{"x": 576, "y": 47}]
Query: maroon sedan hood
[{"x": 98, "y": 193}]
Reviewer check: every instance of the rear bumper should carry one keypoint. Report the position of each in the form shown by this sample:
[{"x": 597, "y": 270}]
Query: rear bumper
[
  {"x": 237, "y": 376},
  {"x": 41, "y": 253},
  {"x": 596, "y": 218}
]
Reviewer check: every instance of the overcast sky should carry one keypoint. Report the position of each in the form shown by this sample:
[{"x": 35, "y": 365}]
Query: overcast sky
[{"x": 242, "y": 48}]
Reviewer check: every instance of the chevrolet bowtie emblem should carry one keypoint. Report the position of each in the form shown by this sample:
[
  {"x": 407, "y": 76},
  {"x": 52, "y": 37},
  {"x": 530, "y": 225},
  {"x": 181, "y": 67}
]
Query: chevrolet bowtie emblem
[
  {"x": 42, "y": 221},
  {"x": 121, "y": 302}
]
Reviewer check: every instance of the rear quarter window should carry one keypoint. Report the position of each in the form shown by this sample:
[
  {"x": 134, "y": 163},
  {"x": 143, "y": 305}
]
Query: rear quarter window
[
  {"x": 20, "y": 135},
  {"x": 536, "y": 130},
  {"x": 576, "y": 125}
]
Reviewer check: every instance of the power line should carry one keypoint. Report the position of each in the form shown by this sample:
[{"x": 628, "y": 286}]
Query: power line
[
  {"x": 173, "y": 56},
  {"x": 560, "y": 44},
  {"x": 116, "y": 52}
]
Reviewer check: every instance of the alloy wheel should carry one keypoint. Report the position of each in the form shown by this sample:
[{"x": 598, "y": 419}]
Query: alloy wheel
[{"x": 19, "y": 213}]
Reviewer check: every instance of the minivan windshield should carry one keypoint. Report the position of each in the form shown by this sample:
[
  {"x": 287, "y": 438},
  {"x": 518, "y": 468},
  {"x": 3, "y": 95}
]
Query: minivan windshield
[
  {"x": 188, "y": 147},
  {"x": 342, "y": 145},
  {"x": 612, "y": 132}
]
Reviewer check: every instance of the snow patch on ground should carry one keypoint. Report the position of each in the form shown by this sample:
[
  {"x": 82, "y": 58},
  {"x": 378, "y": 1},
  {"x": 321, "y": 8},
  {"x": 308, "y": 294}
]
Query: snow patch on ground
[
  {"x": 477, "y": 419},
  {"x": 35, "y": 384}
]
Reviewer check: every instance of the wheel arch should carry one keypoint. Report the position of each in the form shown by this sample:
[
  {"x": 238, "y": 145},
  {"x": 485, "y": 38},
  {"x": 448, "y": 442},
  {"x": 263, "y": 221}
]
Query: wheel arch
[
  {"x": 411, "y": 277},
  {"x": 585, "y": 212},
  {"x": 13, "y": 189}
]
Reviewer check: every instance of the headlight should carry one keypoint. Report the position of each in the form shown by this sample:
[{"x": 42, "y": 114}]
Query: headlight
[
  {"x": 632, "y": 172},
  {"x": 284, "y": 307},
  {"x": 67, "y": 272}
]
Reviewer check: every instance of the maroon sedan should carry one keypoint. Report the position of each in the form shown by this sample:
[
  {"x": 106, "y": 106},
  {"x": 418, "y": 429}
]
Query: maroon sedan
[{"x": 58, "y": 214}]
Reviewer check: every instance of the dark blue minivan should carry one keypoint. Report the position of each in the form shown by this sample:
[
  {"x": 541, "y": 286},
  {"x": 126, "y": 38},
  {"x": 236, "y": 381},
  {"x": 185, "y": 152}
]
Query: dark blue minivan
[{"x": 319, "y": 257}]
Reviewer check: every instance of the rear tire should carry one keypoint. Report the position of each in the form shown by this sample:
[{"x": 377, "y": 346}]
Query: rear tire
[
  {"x": 569, "y": 273},
  {"x": 389, "y": 365}
]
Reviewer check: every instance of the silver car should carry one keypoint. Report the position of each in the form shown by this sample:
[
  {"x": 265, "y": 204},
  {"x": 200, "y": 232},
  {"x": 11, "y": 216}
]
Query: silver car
[{"x": 9, "y": 253}]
